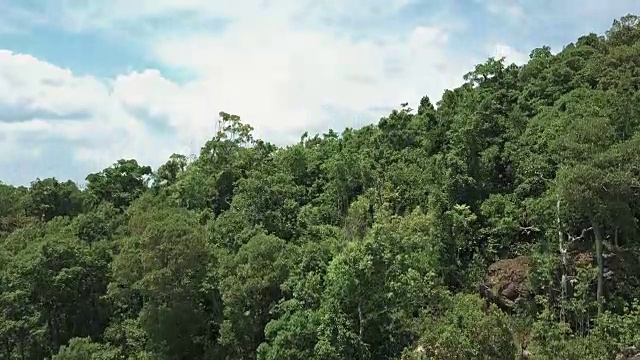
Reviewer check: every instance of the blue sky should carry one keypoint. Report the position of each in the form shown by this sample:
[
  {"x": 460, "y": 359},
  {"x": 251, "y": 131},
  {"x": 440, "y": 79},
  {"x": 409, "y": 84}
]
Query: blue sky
[{"x": 84, "y": 83}]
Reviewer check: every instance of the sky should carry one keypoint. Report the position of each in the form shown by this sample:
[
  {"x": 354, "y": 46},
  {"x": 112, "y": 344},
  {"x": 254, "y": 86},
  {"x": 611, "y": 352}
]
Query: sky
[{"x": 84, "y": 83}]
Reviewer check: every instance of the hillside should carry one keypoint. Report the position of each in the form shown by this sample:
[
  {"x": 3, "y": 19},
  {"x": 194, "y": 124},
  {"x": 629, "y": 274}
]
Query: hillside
[{"x": 500, "y": 222}]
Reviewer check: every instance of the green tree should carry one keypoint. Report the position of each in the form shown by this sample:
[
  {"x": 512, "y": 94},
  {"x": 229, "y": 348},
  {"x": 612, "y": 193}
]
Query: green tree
[
  {"x": 465, "y": 331},
  {"x": 162, "y": 278},
  {"x": 119, "y": 184},
  {"x": 49, "y": 198},
  {"x": 85, "y": 349},
  {"x": 251, "y": 286}
]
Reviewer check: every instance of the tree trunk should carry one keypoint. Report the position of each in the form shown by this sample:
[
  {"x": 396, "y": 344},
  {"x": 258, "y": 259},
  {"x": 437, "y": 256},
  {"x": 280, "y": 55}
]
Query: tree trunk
[
  {"x": 22, "y": 357},
  {"x": 360, "y": 321},
  {"x": 563, "y": 254},
  {"x": 599, "y": 293},
  {"x": 559, "y": 224},
  {"x": 8, "y": 348}
]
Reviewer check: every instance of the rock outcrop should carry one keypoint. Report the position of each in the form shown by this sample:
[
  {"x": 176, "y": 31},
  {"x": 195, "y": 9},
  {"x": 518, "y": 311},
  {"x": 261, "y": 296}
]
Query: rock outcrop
[
  {"x": 506, "y": 282},
  {"x": 631, "y": 353}
]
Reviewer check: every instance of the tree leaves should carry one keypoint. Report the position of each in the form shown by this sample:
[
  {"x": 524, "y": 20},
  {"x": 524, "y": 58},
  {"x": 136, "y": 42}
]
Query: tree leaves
[{"x": 365, "y": 244}]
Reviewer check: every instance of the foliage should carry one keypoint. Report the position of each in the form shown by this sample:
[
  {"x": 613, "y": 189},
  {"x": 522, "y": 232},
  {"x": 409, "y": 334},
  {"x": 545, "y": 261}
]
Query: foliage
[
  {"x": 466, "y": 331},
  {"x": 367, "y": 244}
]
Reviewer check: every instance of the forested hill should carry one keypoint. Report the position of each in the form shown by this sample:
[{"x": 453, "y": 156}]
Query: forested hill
[{"x": 500, "y": 224}]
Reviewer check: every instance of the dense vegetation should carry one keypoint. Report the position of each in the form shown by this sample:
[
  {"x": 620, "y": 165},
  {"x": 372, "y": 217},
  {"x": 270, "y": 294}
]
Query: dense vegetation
[{"x": 368, "y": 244}]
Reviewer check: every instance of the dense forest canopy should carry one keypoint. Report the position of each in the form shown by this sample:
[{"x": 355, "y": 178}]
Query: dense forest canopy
[{"x": 501, "y": 223}]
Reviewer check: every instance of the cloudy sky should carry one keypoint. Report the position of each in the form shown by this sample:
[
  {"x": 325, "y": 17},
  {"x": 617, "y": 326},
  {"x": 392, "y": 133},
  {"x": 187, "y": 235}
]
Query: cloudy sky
[{"x": 86, "y": 82}]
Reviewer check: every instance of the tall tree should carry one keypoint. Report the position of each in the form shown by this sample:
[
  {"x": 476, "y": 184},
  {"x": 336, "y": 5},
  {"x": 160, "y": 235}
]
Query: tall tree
[{"x": 119, "y": 184}]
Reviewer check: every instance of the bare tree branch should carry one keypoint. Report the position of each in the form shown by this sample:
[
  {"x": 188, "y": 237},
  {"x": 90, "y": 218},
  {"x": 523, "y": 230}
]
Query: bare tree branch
[
  {"x": 543, "y": 178},
  {"x": 529, "y": 229},
  {"x": 581, "y": 237}
]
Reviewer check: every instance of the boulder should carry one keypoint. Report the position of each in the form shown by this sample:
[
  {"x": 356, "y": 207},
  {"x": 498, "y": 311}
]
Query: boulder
[
  {"x": 631, "y": 353},
  {"x": 506, "y": 282}
]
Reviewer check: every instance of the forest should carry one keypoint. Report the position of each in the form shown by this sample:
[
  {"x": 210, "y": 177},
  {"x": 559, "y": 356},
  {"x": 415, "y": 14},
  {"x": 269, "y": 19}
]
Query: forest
[{"x": 500, "y": 223}]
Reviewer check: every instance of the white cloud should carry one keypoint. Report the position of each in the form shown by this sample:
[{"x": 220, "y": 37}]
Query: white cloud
[
  {"x": 41, "y": 103},
  {"x": 282, "y": 81},
  {"x": 510, "y": 54},
  {"x": 280, "y": 77},
  {"x": 59, "y": 93},
  {"x": 281, "y": 73},
  {"x": 507, "y": 8},
  {"x": 282, "y": 88}
]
